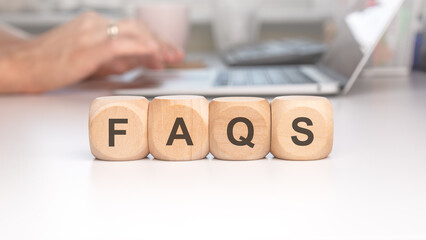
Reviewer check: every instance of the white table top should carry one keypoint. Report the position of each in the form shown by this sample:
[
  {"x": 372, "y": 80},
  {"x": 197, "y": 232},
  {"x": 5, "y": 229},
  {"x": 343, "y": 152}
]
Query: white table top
[{"x": 372, "y": 186}]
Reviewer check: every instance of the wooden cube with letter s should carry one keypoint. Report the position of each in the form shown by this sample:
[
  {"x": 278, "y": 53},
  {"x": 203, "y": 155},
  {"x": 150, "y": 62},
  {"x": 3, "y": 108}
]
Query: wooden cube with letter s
[{"x": 302, "y": 127}]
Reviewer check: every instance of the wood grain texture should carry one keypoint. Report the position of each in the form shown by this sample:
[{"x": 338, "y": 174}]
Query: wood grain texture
[
  {"x": 129, "y": 145},
  {"x": 231, "y": 121},
  {"x": 302, "y": 127},
  {"x": 185, "y": 112}
]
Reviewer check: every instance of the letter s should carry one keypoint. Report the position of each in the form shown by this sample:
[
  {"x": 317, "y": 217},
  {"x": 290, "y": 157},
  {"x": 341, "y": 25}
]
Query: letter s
[{"x": 305, "y": 131}]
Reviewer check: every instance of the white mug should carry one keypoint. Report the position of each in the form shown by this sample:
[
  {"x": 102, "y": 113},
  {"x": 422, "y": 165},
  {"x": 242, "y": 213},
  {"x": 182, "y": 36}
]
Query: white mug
[
  {"x": 234, "y": 24},
  {"x": 169, "y": 21}
]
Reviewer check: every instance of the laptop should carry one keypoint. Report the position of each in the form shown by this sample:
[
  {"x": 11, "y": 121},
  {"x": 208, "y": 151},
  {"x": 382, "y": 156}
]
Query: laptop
[{"x": 359, "y": 32}]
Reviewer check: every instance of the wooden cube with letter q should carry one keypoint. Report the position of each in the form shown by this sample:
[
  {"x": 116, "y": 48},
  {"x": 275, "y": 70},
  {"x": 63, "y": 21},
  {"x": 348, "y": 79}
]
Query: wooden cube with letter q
[
  {"x": 178, "y": 127},
  {"x": 239, "y": 128},
  {"x": 118, "y": 128},
  {"x": 302, "y": 127}
]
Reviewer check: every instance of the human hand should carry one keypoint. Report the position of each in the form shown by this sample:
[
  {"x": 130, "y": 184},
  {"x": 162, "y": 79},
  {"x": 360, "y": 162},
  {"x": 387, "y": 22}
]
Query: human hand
[{"x": 80, "y": 48}]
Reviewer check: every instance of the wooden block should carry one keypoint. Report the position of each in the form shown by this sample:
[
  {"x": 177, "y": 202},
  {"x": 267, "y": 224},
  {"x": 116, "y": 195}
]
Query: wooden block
[
  {"x": 240, "y": 128},
  {"x": 302, "y": 127},
  {"x": 178, "y": 127},
  {"x": 118, "y": 128}
]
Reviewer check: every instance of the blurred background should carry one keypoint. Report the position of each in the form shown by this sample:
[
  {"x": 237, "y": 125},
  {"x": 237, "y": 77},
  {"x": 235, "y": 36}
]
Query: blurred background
[{"x": 210, "y": 30}]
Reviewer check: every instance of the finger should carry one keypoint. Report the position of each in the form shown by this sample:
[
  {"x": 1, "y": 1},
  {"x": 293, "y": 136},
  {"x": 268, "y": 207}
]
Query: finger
[
  {"x": 118, "y": 66},
  {"x": 113, "y": 49},
  {"x": 93, "y": 30},
  {"x": 110, "y": 69},
  {"x": 152, "y": 63},
  {"x": 138, "y": 31},
  {"x": 168, "y": 52},
  {"x": 174, "y": 55},
  {"x": 131, "y": 40}
]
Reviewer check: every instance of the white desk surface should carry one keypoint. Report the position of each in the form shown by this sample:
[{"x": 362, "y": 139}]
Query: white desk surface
[{"x": 372, "y": 186}]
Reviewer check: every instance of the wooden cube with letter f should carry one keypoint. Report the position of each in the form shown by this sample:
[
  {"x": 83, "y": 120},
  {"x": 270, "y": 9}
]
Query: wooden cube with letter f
[
  {"x": 118, "y": 128},
  {"x": 178, "y": 127}
]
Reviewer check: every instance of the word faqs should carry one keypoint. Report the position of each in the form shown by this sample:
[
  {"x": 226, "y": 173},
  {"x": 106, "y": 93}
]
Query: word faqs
[{"x": 230, "y": 128}]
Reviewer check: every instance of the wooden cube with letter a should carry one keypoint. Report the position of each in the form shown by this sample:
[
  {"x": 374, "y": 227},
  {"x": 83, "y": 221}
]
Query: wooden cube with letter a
[
  {"x": 302, "y": 127},
  {"x": 240, "y": 128},
  {"x": 178, "y": 127},
  {"x": 118, "y": 128}
]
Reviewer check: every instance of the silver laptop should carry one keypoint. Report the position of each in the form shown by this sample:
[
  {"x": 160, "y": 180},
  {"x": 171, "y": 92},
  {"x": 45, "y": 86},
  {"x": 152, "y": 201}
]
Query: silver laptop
[{"x": 357, "y": 36}]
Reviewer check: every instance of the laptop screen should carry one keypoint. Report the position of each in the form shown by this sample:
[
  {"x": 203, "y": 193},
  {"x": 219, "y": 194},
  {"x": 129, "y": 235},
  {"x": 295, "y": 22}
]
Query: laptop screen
[{"x": 359, "y": 31}]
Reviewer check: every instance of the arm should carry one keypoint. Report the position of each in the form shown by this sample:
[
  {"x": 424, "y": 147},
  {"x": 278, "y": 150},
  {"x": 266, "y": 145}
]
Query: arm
[{"x": 9, "y": 38}]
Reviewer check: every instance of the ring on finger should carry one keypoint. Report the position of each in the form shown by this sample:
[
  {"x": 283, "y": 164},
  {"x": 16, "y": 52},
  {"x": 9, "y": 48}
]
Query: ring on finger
[{"x": 112, "y": 30}]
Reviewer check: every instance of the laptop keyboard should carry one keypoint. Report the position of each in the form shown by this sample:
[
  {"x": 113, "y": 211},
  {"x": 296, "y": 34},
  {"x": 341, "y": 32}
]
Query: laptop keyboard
[{"x": 262, "y": 76}]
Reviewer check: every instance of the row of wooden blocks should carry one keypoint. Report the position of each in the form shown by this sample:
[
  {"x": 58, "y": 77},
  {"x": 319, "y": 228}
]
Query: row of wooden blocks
[{"x": 231, "y": 128}]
